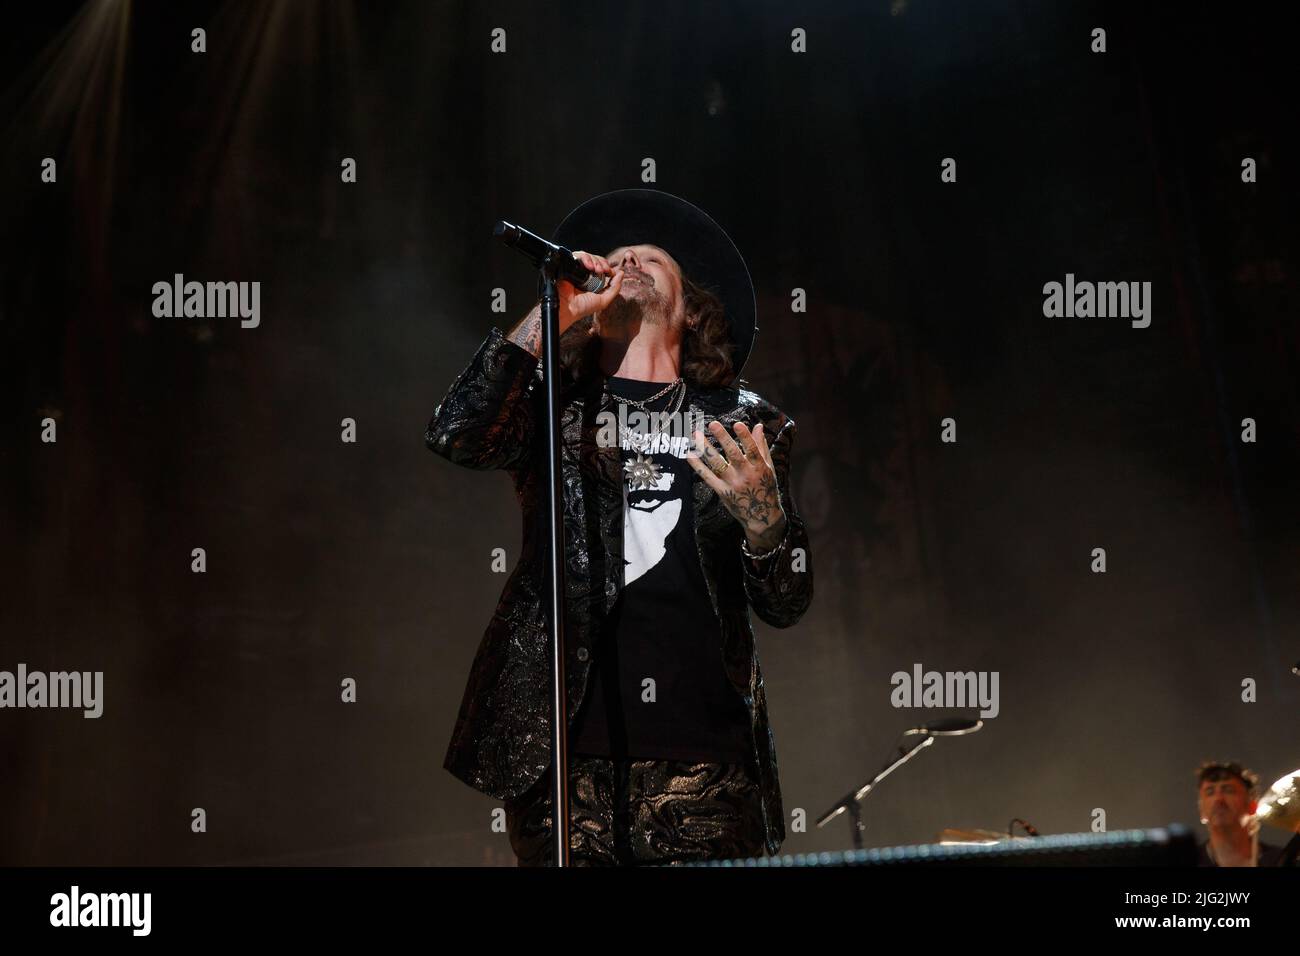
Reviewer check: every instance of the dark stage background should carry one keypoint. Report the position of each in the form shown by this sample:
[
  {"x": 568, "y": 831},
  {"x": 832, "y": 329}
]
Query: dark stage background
[{"x": 372, "y": 560}]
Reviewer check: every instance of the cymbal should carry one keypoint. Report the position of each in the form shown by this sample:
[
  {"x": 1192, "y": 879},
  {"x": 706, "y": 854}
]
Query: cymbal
[{"x": 1280, "y": 807}]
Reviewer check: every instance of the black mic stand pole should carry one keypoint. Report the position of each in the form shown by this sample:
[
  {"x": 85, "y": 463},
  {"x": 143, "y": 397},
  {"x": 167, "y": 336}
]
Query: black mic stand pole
[
  {"x": 851, "y": 802},
  {"x": 550, "y": 271}
]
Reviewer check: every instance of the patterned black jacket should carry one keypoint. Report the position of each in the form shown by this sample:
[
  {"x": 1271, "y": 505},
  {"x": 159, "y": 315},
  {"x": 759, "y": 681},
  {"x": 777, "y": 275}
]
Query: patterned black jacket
[{"x": 493, "y": 416}]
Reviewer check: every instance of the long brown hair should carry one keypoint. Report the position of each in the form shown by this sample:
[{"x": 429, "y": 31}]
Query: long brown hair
[{"x": 707, "y": 348}]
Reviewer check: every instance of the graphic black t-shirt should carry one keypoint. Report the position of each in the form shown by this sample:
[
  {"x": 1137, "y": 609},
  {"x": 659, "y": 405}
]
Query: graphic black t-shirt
[{"x": 662, "y": 628}]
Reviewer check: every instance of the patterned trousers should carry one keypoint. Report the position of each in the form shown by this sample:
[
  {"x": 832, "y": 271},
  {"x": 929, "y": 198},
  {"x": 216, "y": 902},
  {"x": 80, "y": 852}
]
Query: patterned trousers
[{"x": 636, "y": 812}]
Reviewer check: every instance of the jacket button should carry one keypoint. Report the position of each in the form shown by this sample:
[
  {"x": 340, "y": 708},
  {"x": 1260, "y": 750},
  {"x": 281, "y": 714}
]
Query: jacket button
[{"x": 583, "y": 654}]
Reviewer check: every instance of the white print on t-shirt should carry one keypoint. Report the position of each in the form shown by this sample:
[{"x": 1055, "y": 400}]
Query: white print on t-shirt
[
  {"x": 647, "y": 522},
  {"x": 658, "y": 443}
]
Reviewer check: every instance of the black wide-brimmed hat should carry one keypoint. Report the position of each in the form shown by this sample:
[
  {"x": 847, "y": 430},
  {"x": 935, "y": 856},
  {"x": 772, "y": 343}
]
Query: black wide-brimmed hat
[{"x": 627, "y": 217}]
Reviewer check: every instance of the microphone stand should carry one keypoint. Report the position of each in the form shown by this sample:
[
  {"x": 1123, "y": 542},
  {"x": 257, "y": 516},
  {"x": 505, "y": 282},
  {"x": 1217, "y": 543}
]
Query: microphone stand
[
  {"x": 850, "y": 801},
  {"x": 550, "y": 320},
  {"x": 551, "y": 260}
]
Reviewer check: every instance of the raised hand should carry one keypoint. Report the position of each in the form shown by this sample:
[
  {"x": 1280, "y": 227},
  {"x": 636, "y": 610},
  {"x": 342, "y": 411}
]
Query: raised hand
[{"x": 744, "y": 478}]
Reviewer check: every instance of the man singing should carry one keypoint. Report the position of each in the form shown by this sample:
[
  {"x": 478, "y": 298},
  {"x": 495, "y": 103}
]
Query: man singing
[{"x": 678, "y": 519}]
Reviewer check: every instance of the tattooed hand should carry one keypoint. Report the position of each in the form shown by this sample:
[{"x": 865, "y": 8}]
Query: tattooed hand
[
  {"x": 574, "y": 305},
  {"x": 747, "y": 486}
]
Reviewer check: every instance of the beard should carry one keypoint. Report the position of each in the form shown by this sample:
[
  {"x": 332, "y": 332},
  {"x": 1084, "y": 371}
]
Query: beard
[
  {"x": 645, "y": 304},
  {"x": 582, "y": 343}
]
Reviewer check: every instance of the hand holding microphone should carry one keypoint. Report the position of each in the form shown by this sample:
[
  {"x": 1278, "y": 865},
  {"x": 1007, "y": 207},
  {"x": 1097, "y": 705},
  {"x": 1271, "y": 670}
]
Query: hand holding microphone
[
  {"x": 575, "y": 305},
  {"x": 599, "y": 281}
]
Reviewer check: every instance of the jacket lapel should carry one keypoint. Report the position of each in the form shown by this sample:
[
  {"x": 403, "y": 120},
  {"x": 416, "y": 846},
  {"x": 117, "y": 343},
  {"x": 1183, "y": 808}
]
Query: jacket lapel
[{"x": 603, "y": 474}]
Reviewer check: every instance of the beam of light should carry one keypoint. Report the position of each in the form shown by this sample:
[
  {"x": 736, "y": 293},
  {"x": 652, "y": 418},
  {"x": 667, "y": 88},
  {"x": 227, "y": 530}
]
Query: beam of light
[
  {"x": 264, "y": 56},
  {"x": 68, "y": 105}
]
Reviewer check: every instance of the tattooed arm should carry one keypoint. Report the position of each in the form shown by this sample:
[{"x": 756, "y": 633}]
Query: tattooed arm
[
  {"x": 527, "y": 333},
  {"x": 487, "y": 418},
  {"x": 574, "y": 306},
  {"x": 755, "y": 490},
  {"x": 780, "y": 585}
]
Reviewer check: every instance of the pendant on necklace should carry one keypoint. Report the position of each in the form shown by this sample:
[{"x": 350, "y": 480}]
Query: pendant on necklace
[{"x": 642, "y": 472}]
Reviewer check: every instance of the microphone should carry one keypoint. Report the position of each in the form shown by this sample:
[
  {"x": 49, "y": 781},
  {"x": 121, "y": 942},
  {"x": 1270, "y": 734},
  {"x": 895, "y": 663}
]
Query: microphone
[
  {"x": 949, "y": 727},
  {"x": 537, "y": 249}
]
